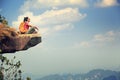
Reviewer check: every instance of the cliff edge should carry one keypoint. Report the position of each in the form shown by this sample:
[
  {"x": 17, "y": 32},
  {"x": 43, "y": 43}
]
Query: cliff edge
[{"x": 11, "y": 41}]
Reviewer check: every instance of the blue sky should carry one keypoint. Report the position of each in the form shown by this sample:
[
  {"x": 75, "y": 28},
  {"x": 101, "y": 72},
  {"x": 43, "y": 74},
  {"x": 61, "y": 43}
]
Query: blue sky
[{"x": 77, "y": 35}]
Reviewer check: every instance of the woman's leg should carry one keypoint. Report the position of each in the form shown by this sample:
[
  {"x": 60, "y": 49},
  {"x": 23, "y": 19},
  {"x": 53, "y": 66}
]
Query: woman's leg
[{"x": 31, "y": 30}]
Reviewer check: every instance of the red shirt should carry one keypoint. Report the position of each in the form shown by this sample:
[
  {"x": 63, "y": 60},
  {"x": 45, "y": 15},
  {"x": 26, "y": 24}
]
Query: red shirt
[{"x": 26, "y": 26}]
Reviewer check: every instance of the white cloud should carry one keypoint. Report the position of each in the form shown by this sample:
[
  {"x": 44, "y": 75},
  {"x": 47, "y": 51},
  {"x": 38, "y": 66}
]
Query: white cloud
[
  {"x": 52, "y": 3},
  {"x": 101, "y": 39},
  {"x": 61, "y": 16},
  {"x": 53, "y": 19},
  {"x": 84, "y": 44},
  {"x": 106, "y": 3},
  {"x": 56, "y": 28},
  {"x": 63, "y": 27},
  {"x": 110, "y": 33},
  {"x": 44, "y": 31},
  {"x": 38, "y": 4},
  {"x": 109, "y": 36}
]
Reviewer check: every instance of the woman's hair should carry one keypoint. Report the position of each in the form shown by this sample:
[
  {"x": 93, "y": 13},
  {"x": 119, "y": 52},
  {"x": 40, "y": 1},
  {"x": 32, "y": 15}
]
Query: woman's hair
[{"x": 25, "y": 19}]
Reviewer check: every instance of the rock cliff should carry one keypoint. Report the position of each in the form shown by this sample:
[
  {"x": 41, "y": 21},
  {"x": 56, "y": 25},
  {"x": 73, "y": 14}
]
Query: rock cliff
[{"x": 11, "y": 41}]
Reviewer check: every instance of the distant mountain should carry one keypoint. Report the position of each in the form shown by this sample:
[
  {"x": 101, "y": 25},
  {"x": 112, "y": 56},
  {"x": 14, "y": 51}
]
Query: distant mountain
[
  {"x": 111, "y": 78},
  {"x": 97, "y": 74}
]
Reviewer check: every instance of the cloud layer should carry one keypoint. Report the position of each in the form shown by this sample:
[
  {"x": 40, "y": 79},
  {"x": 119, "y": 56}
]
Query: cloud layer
[
  {"x": 101, "y": 39},
  {"x": 30, "y": 5},
  {"x": 106, "y": 3},
  {"x": 53, "y": 19},
  {"x": 38, "y": 4},
  {"x": 59, "y": 14}
]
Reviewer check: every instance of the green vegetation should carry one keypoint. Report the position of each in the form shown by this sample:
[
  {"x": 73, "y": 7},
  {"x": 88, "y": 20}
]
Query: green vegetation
[
  {"x": 0, "y": 50},
  {"x": 3, "y": 20},
  {"x": 9, "y": 69}
]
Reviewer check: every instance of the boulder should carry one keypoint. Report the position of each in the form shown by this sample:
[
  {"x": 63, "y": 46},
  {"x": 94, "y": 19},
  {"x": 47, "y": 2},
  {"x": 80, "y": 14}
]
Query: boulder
[{"x": 11, "y": 41}]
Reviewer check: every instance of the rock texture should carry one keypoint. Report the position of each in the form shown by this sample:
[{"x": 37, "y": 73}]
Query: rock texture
[{"x": 11, "y": 41}]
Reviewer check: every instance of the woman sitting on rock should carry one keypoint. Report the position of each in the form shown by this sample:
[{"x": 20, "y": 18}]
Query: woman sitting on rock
[{"x": 25, "y": 28}]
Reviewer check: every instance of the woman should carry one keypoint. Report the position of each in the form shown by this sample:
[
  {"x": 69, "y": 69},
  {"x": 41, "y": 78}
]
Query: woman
[{"x": 25, "y": 28}]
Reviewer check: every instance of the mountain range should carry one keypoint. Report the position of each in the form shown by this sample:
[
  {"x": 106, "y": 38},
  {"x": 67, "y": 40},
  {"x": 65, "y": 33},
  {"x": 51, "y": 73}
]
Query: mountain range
[{"x": 98, "y": 74}]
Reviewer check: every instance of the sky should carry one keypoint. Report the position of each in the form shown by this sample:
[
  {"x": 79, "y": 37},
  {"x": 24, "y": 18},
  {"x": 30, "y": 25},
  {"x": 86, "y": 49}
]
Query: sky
[{"x": 77, "y": 35}]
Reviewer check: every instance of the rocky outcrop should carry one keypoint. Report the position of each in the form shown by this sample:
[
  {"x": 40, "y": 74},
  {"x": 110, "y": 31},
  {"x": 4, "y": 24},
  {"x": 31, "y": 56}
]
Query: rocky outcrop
[{"x": 11, "y": 41}]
